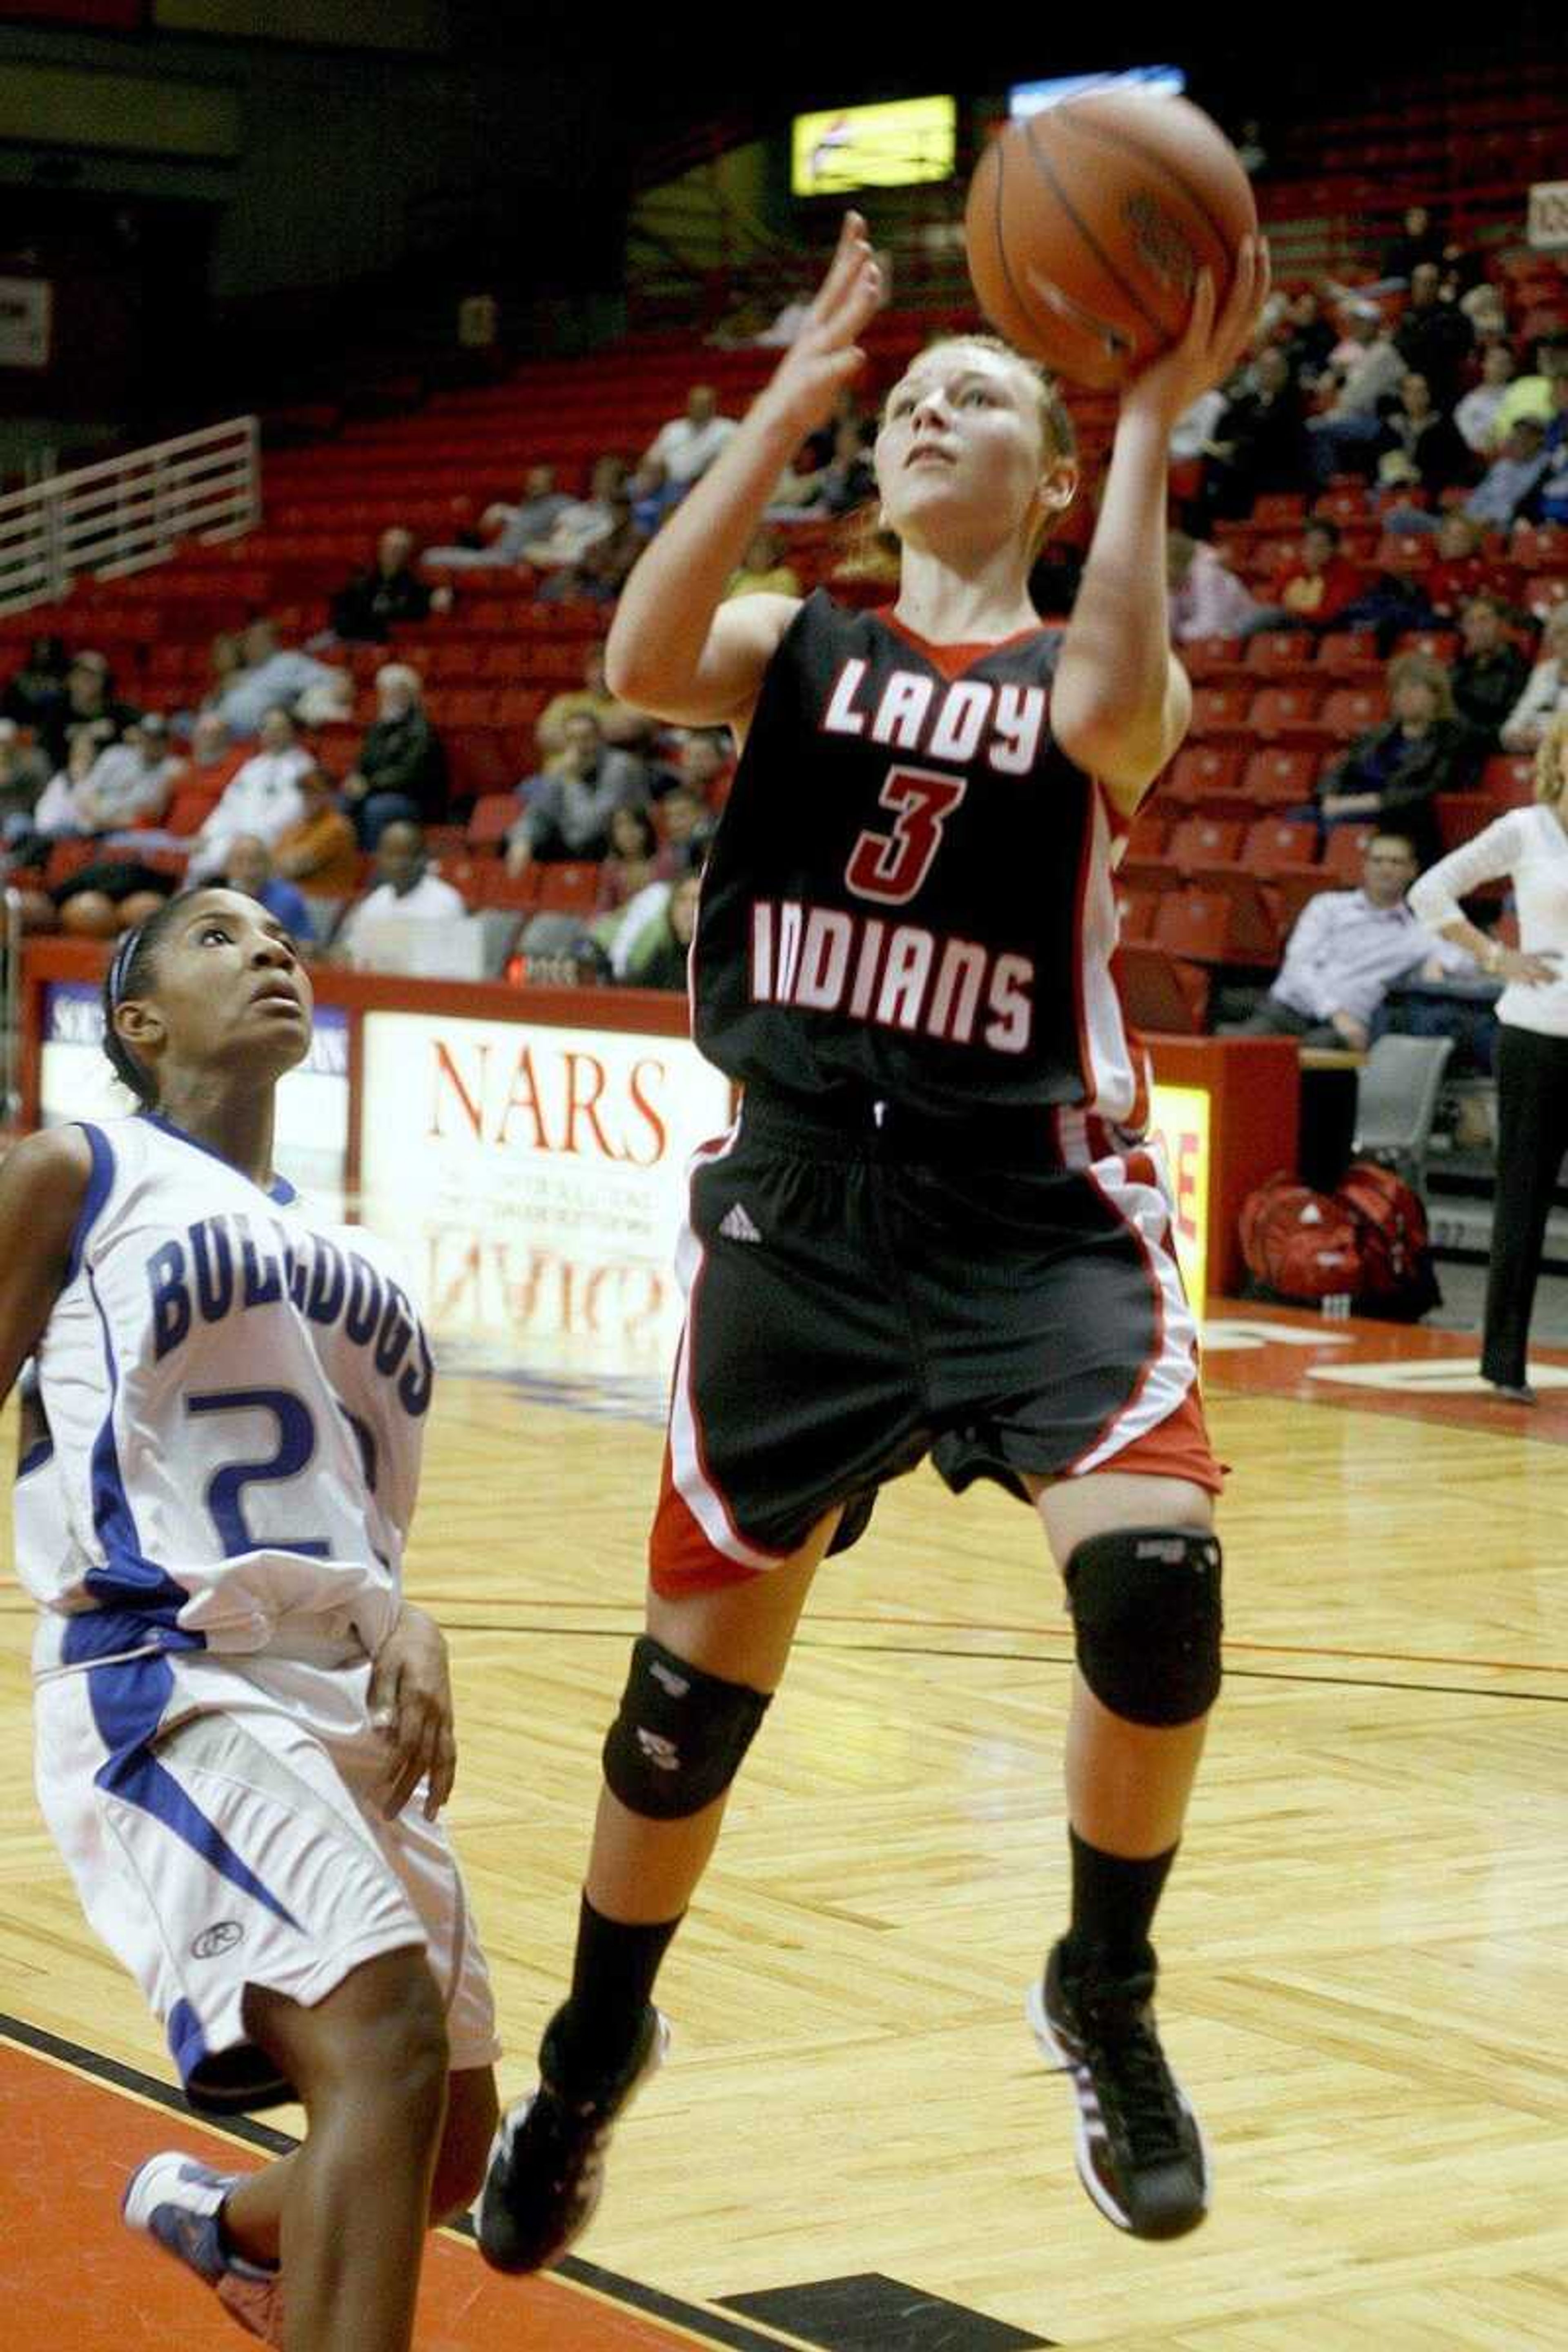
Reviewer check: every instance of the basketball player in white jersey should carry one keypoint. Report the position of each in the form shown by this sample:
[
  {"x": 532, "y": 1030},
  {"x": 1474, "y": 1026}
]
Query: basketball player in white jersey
[{"x": 244, "y": 1732}]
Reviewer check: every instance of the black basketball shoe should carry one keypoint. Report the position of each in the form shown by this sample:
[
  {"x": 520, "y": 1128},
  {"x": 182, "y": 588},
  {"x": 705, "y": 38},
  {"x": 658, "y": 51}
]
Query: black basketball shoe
[
  {"x": 546, "y": 2170},
  {"x": 1141, "y": 2154}
]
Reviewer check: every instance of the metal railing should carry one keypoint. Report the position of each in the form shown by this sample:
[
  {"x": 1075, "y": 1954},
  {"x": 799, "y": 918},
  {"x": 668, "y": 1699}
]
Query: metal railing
[{"x": 128, "y": 512}]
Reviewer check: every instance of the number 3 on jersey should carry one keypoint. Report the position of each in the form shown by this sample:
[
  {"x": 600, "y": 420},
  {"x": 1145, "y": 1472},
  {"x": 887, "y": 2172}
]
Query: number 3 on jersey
[{"x": 890, "y": 866}]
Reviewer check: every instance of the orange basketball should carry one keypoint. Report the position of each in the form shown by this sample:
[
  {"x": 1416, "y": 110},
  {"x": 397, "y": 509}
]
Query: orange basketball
[{"x": 1088, "y": 223}]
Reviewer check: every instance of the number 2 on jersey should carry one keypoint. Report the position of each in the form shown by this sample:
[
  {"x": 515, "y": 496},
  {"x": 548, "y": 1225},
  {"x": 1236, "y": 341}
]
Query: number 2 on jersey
[
  {"x": 891, "y": 866},
  {"x": 296, "y": 1450}
]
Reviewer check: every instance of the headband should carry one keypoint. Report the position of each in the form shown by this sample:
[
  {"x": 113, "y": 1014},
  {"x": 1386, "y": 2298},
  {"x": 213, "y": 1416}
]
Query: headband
[{"x": 119, "y": 968}]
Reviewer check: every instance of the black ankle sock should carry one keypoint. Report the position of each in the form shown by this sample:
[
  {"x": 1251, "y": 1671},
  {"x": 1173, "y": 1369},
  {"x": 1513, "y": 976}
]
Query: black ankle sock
[
  {"x": 612, "y": 1984},
  {"x": 1113, "y": 1905}
]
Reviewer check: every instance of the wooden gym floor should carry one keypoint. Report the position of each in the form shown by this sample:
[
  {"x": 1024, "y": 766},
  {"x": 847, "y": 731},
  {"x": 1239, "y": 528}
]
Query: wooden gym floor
[{"x": 1366, "y": 1943}]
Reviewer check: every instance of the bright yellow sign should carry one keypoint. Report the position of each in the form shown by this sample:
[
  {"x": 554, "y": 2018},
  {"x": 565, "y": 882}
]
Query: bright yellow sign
[
  {"x": 898, "y": 145},
  {"x": 1179, "y": 1122}
]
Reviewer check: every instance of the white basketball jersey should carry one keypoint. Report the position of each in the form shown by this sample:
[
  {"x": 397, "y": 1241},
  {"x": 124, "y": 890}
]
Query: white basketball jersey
[{"x": 235, "y": 1400}]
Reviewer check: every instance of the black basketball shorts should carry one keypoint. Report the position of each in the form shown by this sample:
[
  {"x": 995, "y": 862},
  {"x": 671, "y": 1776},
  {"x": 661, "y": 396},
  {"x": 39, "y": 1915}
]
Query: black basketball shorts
[{"x": 859, "y": 1296}]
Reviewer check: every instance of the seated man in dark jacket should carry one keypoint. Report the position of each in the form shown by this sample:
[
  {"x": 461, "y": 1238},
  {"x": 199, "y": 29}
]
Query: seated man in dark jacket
[
  {"x": 1391, "y": 775},
  {"x": 364, "y": 612},
  {"x": 1489, "y": 674},
  {"x": 401, "y": 767},
  {"x": 1259, "y": 442}
]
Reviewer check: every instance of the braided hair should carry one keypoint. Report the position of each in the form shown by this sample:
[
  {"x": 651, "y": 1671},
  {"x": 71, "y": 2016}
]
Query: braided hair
[{"x": 130, "y": 973}]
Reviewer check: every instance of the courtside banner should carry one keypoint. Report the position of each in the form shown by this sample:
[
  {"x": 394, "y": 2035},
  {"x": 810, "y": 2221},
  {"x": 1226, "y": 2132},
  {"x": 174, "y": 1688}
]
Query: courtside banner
[
  {"x": 1179, "y": 1120},
  {"x": 582, "y": 1134}
]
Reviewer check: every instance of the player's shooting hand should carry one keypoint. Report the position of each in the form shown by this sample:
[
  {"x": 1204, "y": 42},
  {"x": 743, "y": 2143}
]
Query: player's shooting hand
[
  {"x": 410, "y": 1704},
  {"x": 1212, "y": 345},
  {"x": 824, "y": 355}
]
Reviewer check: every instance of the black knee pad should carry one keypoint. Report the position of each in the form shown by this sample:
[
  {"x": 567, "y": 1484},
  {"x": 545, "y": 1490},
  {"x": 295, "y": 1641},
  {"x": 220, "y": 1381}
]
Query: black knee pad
[
  {"x": 680, "y": 1737},
  {"x": 1145, "y": 1604}
]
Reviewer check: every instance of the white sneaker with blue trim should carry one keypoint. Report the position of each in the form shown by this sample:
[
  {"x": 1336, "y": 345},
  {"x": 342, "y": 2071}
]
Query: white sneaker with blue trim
[{"x": 177, "y": 2202}]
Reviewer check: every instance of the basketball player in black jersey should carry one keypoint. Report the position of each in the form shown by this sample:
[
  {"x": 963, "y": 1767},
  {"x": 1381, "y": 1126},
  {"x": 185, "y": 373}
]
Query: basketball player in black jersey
[{"x": 936, "y": 1227}]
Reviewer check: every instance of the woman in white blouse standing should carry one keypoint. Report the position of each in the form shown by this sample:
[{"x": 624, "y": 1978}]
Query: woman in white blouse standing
[{"x": 1530, "y": 846}]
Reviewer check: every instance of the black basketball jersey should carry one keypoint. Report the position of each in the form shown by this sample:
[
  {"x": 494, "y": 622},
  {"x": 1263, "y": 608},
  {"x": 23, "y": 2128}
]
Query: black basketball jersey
[{"x": 908, "y": 895}]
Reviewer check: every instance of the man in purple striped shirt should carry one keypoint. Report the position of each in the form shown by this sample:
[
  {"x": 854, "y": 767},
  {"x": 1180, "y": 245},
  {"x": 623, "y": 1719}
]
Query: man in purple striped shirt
[{"x": 1347, "y": 950}]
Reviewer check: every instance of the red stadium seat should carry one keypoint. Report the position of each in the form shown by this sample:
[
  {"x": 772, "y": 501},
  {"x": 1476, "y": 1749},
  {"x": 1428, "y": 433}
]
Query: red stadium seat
[
  {"x": 1441, "y": 645},
  {"x": 1281, "y": 777},
  {"x": 1214, "y": 661},
  {"x": 1147, "y": 835},
  {"x": 1280, "y": 507},
  {"x": 1161, "y": 993},
  {"x": 1285, "y": 655},
  {"x": 1508, "y": 779},
  {"x": 1203, "y": 840},
  {"x": 1352, "y": 711},
  {"x": 1219, "y": 714},
  {"x": 1251, "y": 935},
  {"x": 1136, "y": 911},
  {"x": 1539, "y": 546},
  {"x": 1349, "y": 655},
  {"x": 1276, "y": 845},
  {"x": 1344, "y": 852},
  {"x": 494, "y": 815},
  {"x": 1346, "y": 504},
  {"x": 1285, "y": 714},
  {"x": 1194, "y": 924},
  {"x": 1202, "y": 769},
  {"x": 1461, "y": 815},
  {"x": 189, "y": 811},
  {"x": 1544, "y": 590},
  {"x": 566, "y": 889}
]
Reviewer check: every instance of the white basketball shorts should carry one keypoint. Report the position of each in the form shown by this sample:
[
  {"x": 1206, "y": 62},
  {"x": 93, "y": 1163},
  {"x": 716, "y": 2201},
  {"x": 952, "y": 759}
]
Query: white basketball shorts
[{"x": 220, "y": 1818}]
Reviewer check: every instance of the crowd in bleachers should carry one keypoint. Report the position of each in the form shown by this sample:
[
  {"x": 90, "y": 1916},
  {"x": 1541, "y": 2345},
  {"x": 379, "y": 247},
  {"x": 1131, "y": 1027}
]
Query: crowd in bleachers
[{"x": 1373, "y": 545}]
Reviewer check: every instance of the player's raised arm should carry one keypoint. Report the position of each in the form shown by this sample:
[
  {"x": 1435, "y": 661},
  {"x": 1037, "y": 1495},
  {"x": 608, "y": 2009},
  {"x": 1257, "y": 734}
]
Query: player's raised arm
[
  {"x": 1120, "y": 703},
  {"x": 43, "y": 1184},
  {"x": 673, "y": 649}
]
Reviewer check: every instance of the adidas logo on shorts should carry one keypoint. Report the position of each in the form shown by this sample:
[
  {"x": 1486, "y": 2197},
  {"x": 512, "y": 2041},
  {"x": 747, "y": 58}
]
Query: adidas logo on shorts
[{"x": 737, "y": 1226}]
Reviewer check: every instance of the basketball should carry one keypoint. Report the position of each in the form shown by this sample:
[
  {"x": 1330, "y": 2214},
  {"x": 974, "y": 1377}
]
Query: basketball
[{"x": 1086, "y": 226}]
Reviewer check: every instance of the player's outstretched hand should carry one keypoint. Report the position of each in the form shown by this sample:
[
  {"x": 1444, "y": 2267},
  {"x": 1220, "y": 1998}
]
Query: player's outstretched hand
[
  {"x": 410, "y": 1704},
  {"x": 824, "y": 355},
  {"x": 1210, "y": 346}
]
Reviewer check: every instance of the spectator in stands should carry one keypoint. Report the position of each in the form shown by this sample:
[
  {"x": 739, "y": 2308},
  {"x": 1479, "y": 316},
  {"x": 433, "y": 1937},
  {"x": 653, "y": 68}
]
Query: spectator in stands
[
  {"x": 629, "y": 863},
  {"x": 129, "y": 781},
  {"x": 1347, "y": 949},
  {"x": 212, "y": 758},
  {"x": 320, "y": 851},
  {"x": 1258, "y": 442},
  {"x": 368, "y": 607},
  {"x": 652, "y": 494},
  {"x": 1418, "y": 243},
  {"x": 568, "y": 807},
  {"x": 1314, "y": 587},
  {"x": 248, "y": 867},
  {"x": 1490, "y": 675},
  {"x": 1545, "y": 694},
  {"x": 24, "y": 773},
  {"x": 113, "y": 894},
  {"x": 578, "y": 524},
  {"x": 1476, "y": 414},
  {"x": 401, "y": 770},
  {"x": 762, "y": 569},
  {"x": 1514, "y": 476},
  {"x": 1392, "y": 774},
  {"x": 1434, "y": 337},
  {"x": 1552, "y": 499},
  {"x": 1207, "y": 600},
  {"x": 662, "y": 961},
  {"x": 273, "y": 677},
  {"x": 91, "y": 707},
  {"x": 1422, "y": 446},
  {"x": 819, "y": 448},
  {"x": 600, "y": 571},
  {"x": 403, "y": 886},
  {"x": 619, "y": 723},
  {"x": 1308, "y": 338},
  {"x": 1346, "y": 434},
  {"x": 1461, "y": 571},
  {"x": 688, "y": 823},
  {"x": 35, "y": 693},
  {"x": 262, "y": 797},
  {"x": 688, "y": 445},
  {"x": 844, "y": 481},
  {"x": 704, "y": 764},
  {"x": 512, "y": 528},
  {"x": 1530, "y": 395}
]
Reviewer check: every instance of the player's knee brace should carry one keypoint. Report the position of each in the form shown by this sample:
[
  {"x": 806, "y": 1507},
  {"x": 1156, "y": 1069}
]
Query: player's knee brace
[
  {"x": 680, "y": 1737},
  {"x": 1146, "y": 1620}
]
